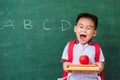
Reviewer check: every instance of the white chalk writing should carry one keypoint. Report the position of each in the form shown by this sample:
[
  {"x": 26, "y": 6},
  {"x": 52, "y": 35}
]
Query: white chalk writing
[
  {"x": 8, "y": 23},
  {"x": 28, "y": 25},
  {"x": 64, "y": 28},
  {"x": 44, "y": 27}
]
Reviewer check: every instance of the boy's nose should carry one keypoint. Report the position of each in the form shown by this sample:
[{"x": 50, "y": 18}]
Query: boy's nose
[{"x": 84, "y": 30}]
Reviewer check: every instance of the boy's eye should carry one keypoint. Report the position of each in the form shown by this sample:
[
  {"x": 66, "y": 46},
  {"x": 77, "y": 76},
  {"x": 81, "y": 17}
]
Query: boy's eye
[
  {"x": 89, "y": 28},
  {"x": 80, "y": 26}
]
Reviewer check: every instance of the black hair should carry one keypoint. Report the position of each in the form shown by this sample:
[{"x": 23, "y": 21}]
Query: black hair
[{"x": 90, "y": 16}]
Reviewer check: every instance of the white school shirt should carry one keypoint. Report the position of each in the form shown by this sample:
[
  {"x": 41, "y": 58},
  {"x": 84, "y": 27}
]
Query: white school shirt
[{"x": 79, "y": 50}]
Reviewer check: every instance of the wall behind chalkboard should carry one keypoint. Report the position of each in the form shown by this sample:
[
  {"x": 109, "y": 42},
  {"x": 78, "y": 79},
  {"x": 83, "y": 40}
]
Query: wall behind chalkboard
[{"x": 33, "y": 34}]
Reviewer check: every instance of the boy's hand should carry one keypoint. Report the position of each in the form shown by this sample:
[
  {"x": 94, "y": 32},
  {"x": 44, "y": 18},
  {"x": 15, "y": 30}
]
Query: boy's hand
[
  {"x": 65, "y": 65},
  {"x": 100, "y": 65}
]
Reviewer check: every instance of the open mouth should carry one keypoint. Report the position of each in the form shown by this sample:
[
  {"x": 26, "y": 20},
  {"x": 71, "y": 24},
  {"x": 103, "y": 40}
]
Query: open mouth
[{"x": 83, "y": 37}]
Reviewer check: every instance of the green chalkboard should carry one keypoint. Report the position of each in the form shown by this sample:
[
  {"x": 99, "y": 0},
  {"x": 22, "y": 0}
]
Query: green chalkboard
[{"x": 33, "y": 34}]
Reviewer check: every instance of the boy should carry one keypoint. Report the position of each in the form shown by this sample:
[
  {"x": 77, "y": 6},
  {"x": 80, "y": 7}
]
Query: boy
[{"x": 85, "y": 29}]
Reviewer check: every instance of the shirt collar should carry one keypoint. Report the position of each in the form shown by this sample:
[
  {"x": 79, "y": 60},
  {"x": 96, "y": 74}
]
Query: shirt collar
[{"x": 90, "y": 42}]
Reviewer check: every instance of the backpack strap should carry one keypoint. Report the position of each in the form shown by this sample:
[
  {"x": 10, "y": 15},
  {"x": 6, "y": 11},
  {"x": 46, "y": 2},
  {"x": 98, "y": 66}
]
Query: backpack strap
[
  {"x": 70, "y": 56},
  {"x": 97, "y": 56},
  {"x": 70, "y": 50},
  {"x": 97, "y": 50}
]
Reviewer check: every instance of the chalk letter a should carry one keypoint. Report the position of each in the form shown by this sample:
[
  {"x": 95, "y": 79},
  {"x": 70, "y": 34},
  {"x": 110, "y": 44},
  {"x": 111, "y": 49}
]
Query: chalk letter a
[{"x": 8, "y": 23}]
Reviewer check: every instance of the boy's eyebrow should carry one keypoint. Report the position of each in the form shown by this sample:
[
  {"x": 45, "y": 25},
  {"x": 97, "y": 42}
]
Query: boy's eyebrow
[{"x": 80, "y": 24}]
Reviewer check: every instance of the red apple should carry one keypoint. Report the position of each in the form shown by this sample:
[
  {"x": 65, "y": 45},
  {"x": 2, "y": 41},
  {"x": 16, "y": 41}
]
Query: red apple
[{"x": 84, "y": 59}]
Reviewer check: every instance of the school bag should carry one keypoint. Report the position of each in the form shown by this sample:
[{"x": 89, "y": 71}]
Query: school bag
[{"x": 70, "y": 57}]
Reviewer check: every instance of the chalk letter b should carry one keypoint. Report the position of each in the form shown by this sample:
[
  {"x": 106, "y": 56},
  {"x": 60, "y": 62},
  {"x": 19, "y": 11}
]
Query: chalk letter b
[{"x": 28, "y": 24}]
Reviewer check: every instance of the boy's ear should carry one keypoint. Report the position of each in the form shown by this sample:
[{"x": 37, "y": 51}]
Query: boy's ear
[
  {"x": 74, "y": 28},
  {"x": 95, "y": 33}
]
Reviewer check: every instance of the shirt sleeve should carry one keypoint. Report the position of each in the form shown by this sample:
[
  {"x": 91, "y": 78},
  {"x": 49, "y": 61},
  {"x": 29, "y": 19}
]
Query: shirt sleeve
[
  {"x": 102, "y": 58},
  {"x": 65, "y": 54}
]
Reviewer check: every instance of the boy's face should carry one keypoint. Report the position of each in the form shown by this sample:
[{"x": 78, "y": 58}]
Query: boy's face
[{"x": 85, "y": 30}]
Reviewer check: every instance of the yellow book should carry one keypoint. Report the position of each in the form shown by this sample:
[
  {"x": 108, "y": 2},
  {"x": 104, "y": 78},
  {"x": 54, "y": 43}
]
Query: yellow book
[{"x": 88, "y": 67}]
